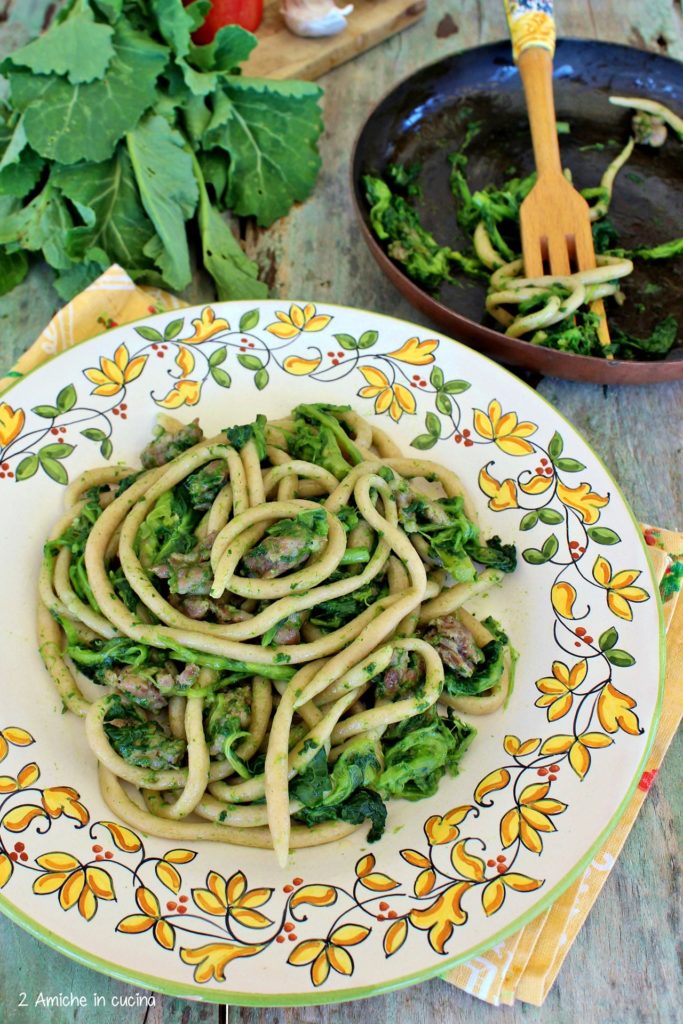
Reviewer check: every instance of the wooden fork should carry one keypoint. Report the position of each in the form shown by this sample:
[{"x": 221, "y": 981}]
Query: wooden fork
[{"x": 554, "y": 218}]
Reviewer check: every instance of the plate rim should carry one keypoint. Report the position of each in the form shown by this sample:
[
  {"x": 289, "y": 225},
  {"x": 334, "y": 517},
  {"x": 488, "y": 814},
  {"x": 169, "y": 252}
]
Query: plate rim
[
  {"x": 631, "y": 372},
  {"x": 187, "y": 990}
]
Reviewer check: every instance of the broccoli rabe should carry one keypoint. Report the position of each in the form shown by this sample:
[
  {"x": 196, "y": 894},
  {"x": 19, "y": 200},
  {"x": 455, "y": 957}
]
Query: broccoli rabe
[
  {"x": 239, "y": 435},
  {"x": 343, "y": 793},
  {"x": 140, "y": 741},
  {"x": 419, "y": 751}
]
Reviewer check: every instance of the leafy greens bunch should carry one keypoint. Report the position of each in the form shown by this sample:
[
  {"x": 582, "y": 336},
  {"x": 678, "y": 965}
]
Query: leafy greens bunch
[{"x": 119, "y": 134}]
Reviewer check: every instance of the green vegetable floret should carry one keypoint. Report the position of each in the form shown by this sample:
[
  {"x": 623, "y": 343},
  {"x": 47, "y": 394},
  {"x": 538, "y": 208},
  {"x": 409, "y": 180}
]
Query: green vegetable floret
[
  {"x": 319, "y": 437},
  {"x": 168, "y": 528},
  {"x": 239, "y": 435},
  {"x": 395, "y": 221}
]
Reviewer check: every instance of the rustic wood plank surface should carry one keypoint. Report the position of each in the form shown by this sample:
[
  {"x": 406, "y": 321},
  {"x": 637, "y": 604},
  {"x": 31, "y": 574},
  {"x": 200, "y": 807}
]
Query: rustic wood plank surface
[
  {"x": 623, "y": 967},
  {"x": 283, "y": 55}
]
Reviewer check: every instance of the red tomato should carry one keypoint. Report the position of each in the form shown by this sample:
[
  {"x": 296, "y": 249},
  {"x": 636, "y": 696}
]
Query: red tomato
[{"x": 247, "y": 13}]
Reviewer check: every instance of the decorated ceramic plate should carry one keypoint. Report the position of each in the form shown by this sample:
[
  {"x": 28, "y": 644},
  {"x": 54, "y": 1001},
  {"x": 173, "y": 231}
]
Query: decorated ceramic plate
[{"x": 539, "y": 789}]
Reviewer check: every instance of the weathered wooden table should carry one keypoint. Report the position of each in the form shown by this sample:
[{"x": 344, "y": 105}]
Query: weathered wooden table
[{"x": 623, "y": 966}]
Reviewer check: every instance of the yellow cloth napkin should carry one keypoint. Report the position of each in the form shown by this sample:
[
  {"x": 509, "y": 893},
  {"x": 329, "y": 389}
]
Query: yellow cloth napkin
[{"x": 526, "y": 965}]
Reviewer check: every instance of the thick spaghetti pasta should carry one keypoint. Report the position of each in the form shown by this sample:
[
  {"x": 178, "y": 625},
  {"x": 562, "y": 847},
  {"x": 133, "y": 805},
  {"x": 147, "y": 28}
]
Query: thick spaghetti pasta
[{"x": 265, "y": 630}]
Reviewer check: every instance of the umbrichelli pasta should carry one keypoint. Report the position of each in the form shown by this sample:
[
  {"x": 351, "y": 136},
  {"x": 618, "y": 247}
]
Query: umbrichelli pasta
[{"x": 266, "y": 630}]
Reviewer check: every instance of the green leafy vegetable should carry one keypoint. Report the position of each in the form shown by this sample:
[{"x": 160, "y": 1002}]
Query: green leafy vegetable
[
  {"x": 75, "y": 538},
  {"x": 239, "y": 435},
  {"x": 494, "y": 554},
  {"x": 139, "y": 741},
  {"x": 270, "y": 134},
  {"x": 320, "y": 438},
  {"x": 396, "y": 221},
  {"x": 169, "y": 193},
  {"x": 419, "y": 751},
  {"x": 118, "y": 127},
  {"x": 79, "y": 48},
  {"x": 343, "y": 793},
  {"x": 169, "y": 527},
  {"x": 336, "y": 612}
]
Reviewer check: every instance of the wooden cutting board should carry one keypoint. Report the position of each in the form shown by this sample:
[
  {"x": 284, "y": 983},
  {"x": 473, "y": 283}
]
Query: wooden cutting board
[{"x": 280, "y": 54}]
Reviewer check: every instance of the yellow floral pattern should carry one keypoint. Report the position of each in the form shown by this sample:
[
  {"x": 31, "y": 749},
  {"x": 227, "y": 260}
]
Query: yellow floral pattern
[
  {"x": 504, "y": 429},
  {"x": 114, "y": 374},
  {"x": 394, "y": 398},
  {"x": 501, "y": 494},
  {"x": 619, "y": 586},
  {"x": 11, "y": 423},
  {"x": 454, "y": 873},
  {"x": 290, "y": 325}
]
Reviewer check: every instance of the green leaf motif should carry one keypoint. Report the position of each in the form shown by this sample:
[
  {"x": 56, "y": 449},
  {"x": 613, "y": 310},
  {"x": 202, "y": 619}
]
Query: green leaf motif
[
  {"x": 556, "y": 446},
  {"x": 456, "y": 387},
  {"x": 622, "y": 659},
  {"x": 168, "y": 189},
  {"x": 78, "y": 47},
  {"x": 423, "y": 442},
  {"x": 443, "y": 404},
  {"x": 173, "y": 329},
  {"x": 347, "y": 342},
  {"x": 550, "y": 517},
  {"x": 533, "y": 556},
  {"x": 55, "y": 451},
  {"x": 106, "y": 448},
  {"x": 55, "y": 470},
  {"x": 550, "y": 547},
  {"x": 436, "y": 378},
  {"x": 603, "y": 535},
  {"x": 250, "y": 362},
  {"x": 48, "y": 412},
  {"x": 27, "y": 468},
  {"x": 149, "y": 333},
  {"x": 433, "y": 425},
  {"x": 528, "y": 521},
  {"x": 69, "y": 123},
  {"x": 569, "y": 465},
  {"x": 261, "y": 379},
  {"x": 608, "y": 639},
  {"x": 249, "y": 320},
  {"x": 270, "y": 130},
  {"x": 218, "y": 356},
  {"x": 221, "y": 377},
  {"x": 368, "y": 339},
  {"x": 93, "y": 434},
  {"x": 66, "y": 399}
]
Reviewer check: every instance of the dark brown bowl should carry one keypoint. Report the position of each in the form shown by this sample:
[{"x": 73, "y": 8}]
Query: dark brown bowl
[{"x": 423, "y": 119}]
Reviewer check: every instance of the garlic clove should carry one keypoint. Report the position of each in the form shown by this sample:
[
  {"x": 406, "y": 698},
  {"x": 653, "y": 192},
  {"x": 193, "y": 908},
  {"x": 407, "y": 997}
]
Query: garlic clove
[{"x": 312, "y": 18}]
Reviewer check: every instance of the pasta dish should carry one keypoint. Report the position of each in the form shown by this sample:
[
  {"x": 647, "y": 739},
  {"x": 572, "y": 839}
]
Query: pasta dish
[
  {"x": 551, "y": 310},
  {"x": 266, "y": 632}
]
